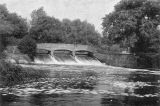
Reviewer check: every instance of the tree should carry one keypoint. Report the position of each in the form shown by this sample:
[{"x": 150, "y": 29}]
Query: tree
[
  {"x": 36, "y": 14},
  {"x": 20, "y": 27},
  {"x": 133, "y": 24},
  {"x": 67, "y": 31},
  {"x": 47, "y": 30},
  {"x": 11, "y": 26},
  {"x": 80, "y": 32},
  {"x": 5, "y": 30},
  {"x": 3, "y": 12},
  {"x": 28, "y": 46},
  {"x": 18, "y": 24}
]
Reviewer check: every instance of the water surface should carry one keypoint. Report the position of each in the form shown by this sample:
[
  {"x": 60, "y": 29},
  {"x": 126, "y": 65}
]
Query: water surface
[{"x": 78, "y": 85}]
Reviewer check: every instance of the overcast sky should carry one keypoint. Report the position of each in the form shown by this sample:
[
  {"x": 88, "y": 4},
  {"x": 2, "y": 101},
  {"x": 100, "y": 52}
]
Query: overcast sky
[{"x": 91, "y": 10}]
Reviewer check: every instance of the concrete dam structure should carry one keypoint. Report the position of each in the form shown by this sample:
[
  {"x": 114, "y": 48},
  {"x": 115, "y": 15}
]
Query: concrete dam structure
[{"x": 50, "y": 53}]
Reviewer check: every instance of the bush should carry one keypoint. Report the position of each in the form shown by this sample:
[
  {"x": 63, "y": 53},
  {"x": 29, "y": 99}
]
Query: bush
[
  {"x": 11, "y": 74},
  {"x": 28, "y": 46}
]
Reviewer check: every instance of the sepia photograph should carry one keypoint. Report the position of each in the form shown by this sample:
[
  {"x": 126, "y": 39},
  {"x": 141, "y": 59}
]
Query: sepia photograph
[{"x": 79, "y": 52}]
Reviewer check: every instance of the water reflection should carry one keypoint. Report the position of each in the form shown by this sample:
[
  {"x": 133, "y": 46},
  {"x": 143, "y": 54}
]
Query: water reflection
[
  {"x": 148, "y": 95},
  {"x": 38, "y": 99},
  {"x": 107, "y": 101},
  {"x": 144, "y": 76},
  {"x": 7, "y": 99},
  {"x": 139, "y": 101}
]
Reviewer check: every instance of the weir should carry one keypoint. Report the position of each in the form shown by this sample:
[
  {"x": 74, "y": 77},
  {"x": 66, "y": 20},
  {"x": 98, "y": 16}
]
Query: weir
[{"x": 69, "y": 54}]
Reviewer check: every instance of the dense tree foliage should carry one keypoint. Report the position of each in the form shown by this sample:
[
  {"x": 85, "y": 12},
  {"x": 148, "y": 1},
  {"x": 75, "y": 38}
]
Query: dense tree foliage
[
  {"x": 11, "y": 26},
  {"x": 134, "y": 24},
  {"x": 46, "y": 29},
  {"x": 36, "y": 14},
  {"x": 17, "y": 23},
  {"x": 5, "y": 30},
  {"x": 28, "y": 46},
  {"x": 80, "y": 32}
]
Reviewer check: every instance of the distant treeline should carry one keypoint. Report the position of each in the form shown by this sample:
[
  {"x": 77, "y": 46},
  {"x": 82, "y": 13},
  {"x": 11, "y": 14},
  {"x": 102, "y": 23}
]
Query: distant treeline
[{"x": 45, "y": 29}]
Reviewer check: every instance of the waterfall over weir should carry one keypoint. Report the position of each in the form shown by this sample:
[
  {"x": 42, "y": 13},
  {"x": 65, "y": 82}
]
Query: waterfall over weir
[
  {"x": 68, "y": 54},
  {"x": 67, "y": 59}
]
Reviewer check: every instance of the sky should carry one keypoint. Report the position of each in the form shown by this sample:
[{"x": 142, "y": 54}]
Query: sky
[{"x": 89, "y": 10}]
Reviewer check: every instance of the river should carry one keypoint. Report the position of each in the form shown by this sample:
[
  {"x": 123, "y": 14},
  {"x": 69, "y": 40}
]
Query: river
[{"x": 79, "y": 85}]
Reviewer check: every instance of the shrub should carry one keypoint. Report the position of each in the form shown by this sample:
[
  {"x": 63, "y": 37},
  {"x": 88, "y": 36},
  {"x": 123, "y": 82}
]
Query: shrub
[
  {"x": 28, "y": 46},
  {"x": 11, "y": 74}
]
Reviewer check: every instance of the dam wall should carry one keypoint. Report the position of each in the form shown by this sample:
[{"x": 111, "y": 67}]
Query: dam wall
[
  {"x": 70, "y": 47},
  {"x": 66, "y": 54},
  {"x": 118, "y": 59}
]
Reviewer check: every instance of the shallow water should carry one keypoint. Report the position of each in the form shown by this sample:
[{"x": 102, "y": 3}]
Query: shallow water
[{"x": 76, "y": 85}]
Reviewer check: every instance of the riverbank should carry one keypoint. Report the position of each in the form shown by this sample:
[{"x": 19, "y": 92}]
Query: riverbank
[{"x": 12, "y": 74}]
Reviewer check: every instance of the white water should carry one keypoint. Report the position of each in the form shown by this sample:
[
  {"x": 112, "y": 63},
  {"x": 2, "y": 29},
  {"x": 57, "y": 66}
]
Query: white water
[
  {"x": 85, "y": 60},
  {"x": 45, "y": 59},
  {"x": 67, "y": 60}
]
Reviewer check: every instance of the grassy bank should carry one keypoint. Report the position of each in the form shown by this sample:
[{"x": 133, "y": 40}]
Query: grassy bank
[{"x": 11, "y": 74}]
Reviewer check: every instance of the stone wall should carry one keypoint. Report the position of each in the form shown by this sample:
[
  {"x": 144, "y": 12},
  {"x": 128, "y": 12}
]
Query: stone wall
[
  {"x": 149, "y": 60},
  {"x": 118, "y": 59},
  {"x": 145, "y": 61},
  {"x": 156, "y": 62}
]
